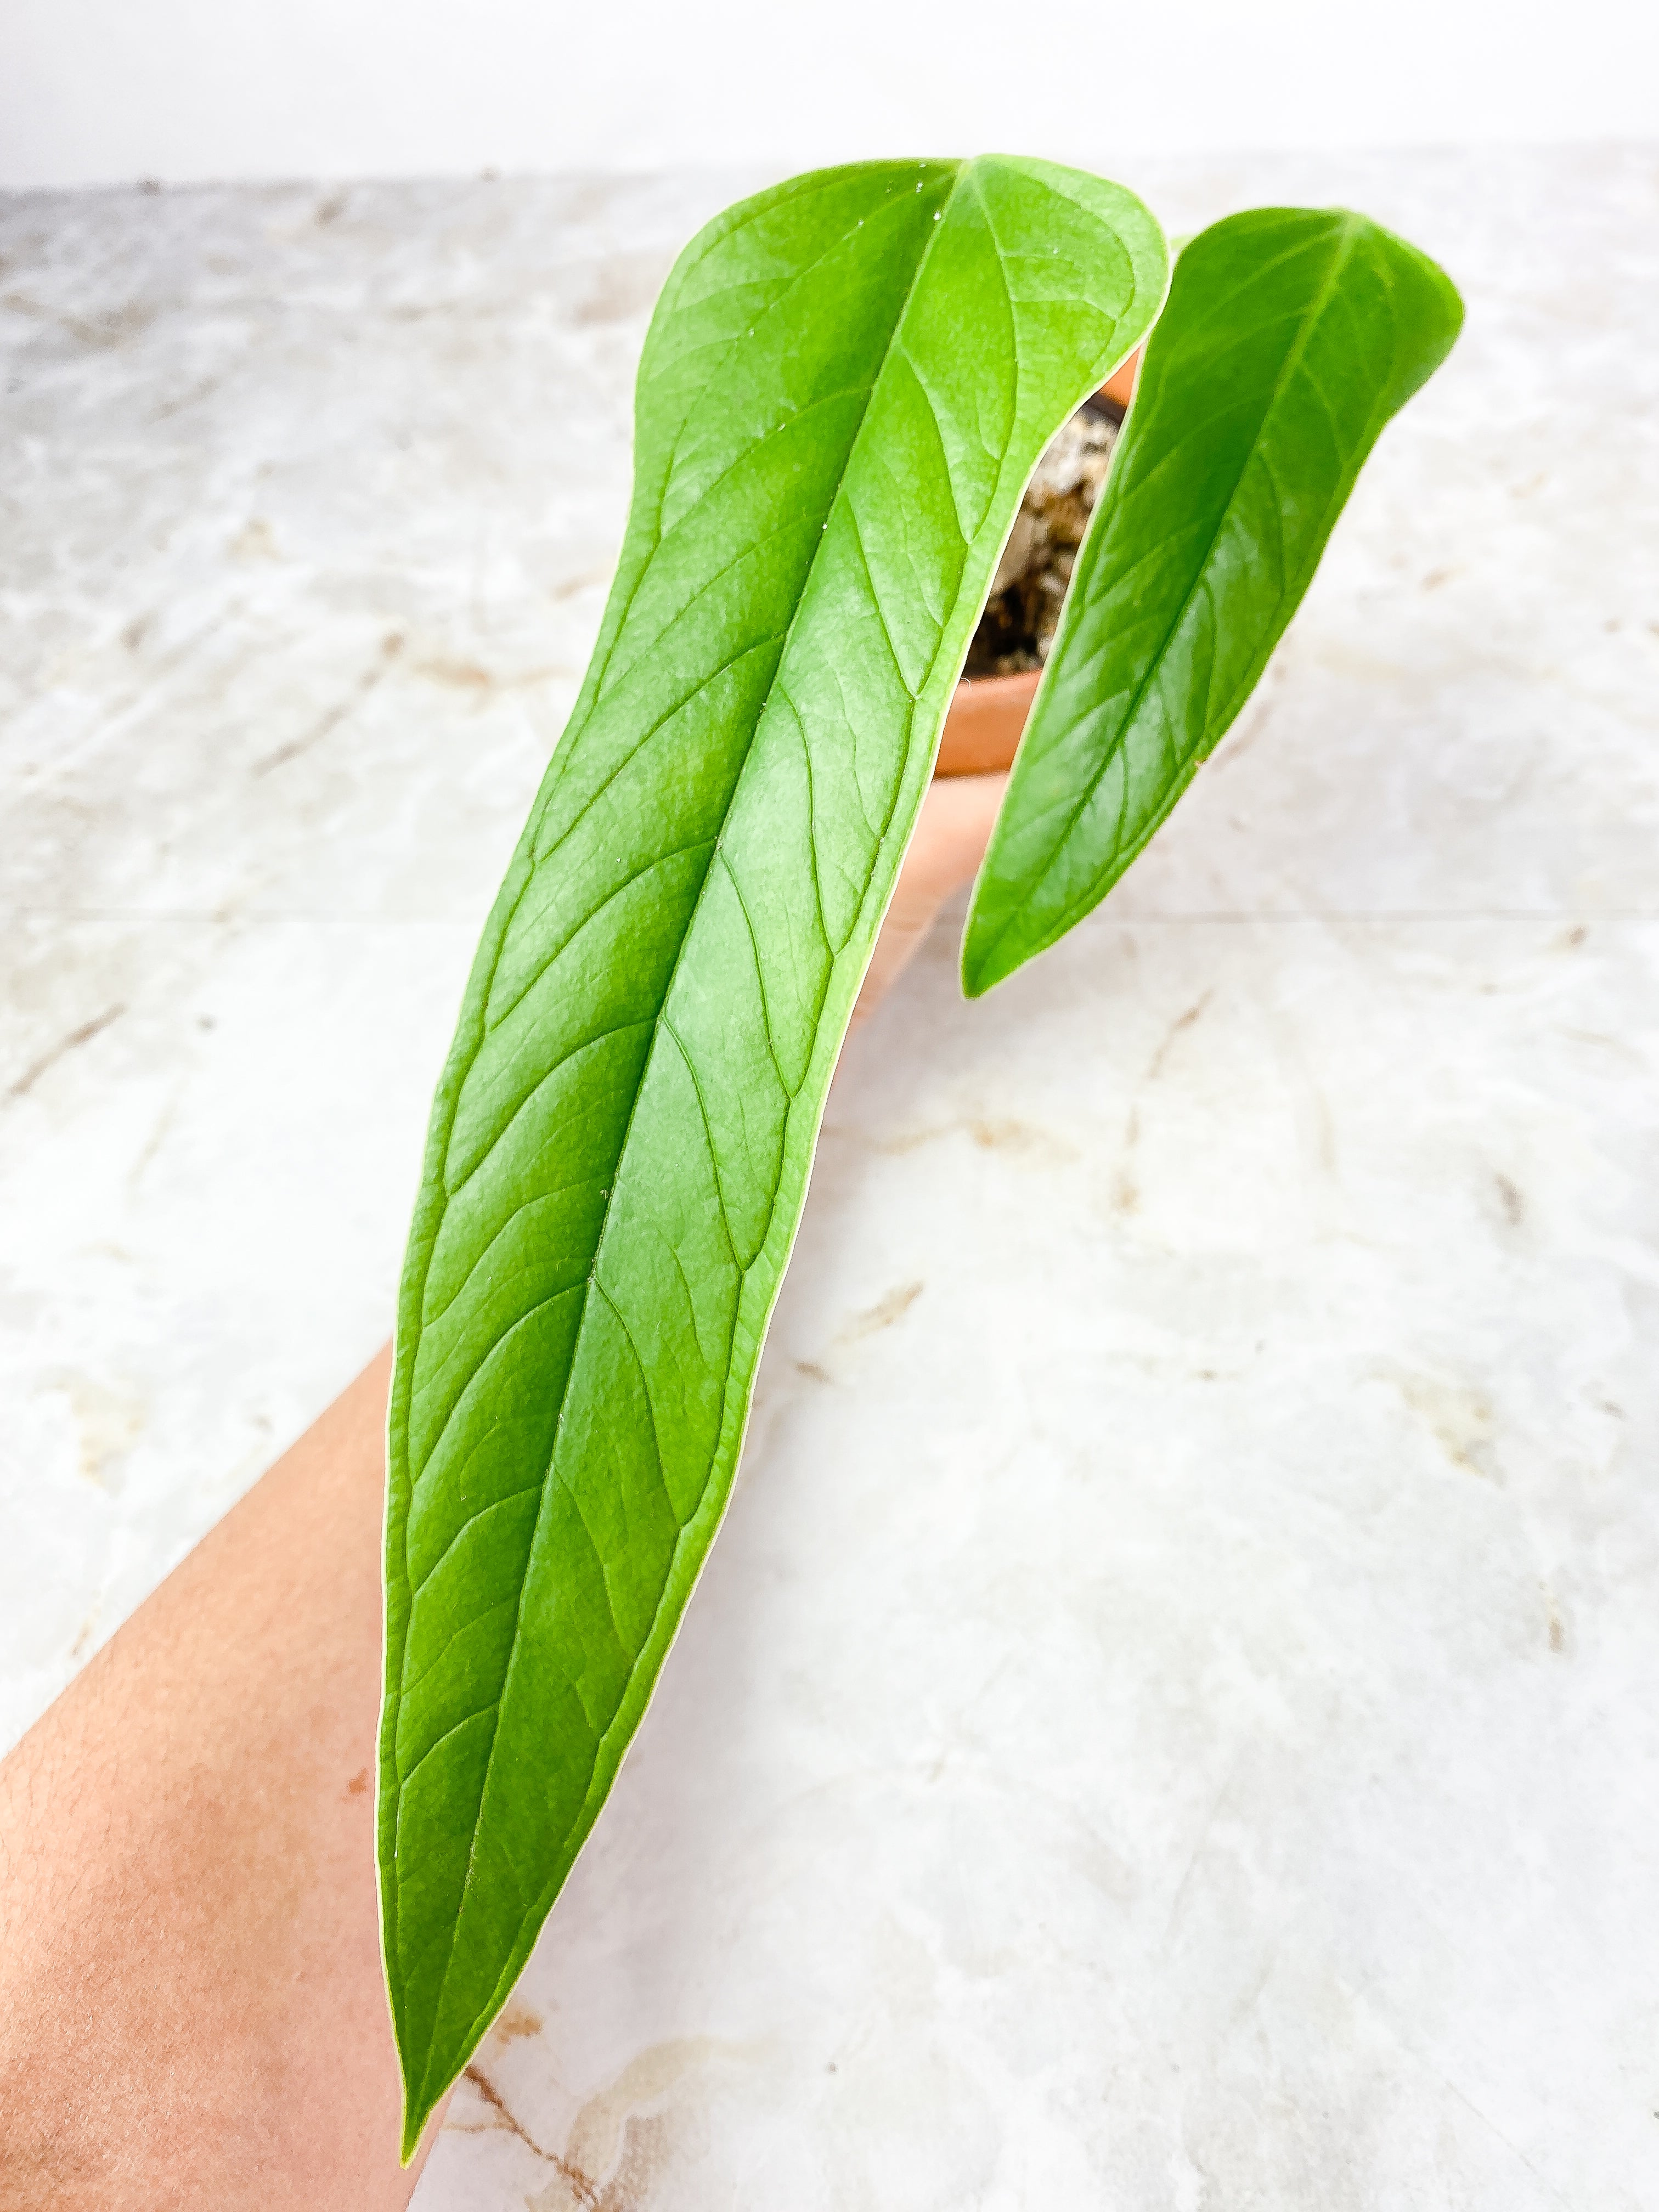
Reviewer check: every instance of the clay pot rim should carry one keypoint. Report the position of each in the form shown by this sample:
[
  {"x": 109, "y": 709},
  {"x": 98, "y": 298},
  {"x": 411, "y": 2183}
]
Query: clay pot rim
[
  {"x": 985, "y": 723},
  {"x": 986, "y": 715},
  {"x": 1020, "y": 681}
]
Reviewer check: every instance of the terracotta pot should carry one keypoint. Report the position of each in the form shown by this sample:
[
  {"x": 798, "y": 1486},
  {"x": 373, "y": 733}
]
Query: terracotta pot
[
  {"x": 983, "y": 726},
  {"x": 987, "y": 714},
  {"x": 1120, "y": 387}
]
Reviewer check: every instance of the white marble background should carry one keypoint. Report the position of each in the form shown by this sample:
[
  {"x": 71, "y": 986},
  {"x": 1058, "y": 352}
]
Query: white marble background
[{"x": 1172, "y": 1720}]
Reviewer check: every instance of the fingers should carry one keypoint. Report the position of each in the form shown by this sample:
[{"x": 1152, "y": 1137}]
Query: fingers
[{"x": 952, "y": 831}]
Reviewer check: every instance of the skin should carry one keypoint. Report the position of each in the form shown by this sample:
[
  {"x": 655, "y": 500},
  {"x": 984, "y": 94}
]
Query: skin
[{"x": 191, "y": 2011}]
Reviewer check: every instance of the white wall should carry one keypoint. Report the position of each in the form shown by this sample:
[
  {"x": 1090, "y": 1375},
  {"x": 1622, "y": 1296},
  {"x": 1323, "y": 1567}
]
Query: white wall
[{"x": 108, "y": 90}]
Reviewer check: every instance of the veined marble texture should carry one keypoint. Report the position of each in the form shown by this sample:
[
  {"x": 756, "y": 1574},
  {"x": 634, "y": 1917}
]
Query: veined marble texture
[{"x": 1171, "y": 1722}]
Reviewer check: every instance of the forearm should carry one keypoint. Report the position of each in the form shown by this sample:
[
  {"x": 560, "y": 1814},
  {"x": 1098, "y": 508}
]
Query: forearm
[{"x": 191, "y": 2003}]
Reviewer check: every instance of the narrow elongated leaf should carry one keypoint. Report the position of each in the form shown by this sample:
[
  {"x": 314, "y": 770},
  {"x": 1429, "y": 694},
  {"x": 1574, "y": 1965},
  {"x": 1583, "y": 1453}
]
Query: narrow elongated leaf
[
  {"x": 1291, "y": 336},
  {"x": 846, "y": 385}
]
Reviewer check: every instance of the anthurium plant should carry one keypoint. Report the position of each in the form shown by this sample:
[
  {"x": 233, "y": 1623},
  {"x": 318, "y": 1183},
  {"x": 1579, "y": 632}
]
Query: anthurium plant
[{"x": 846, "y": 386}]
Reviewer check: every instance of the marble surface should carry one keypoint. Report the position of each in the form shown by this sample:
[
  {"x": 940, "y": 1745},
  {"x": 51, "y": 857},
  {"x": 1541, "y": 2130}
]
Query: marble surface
[{"x": 1172, "y": 1720}]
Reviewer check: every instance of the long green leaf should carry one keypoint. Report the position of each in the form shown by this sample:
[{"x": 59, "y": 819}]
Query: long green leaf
[
  {"x": 846, "y": 385},
  {"x": 1291, "y": 336}
]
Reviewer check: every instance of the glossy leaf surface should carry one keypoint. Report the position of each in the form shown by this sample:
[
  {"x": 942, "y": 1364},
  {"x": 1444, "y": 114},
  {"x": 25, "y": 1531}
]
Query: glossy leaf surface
[
  {"x": 845, "y": 387},
  {"x": 1291, "y": 336}
]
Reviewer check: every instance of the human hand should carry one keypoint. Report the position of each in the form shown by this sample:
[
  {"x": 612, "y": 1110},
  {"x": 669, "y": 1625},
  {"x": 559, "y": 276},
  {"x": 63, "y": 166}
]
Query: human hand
[{"x": 952, "y": 834}]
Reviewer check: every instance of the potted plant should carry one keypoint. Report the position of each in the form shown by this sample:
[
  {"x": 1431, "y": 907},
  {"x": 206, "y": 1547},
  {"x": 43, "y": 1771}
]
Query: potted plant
[{"x": 846, "y": 387}]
